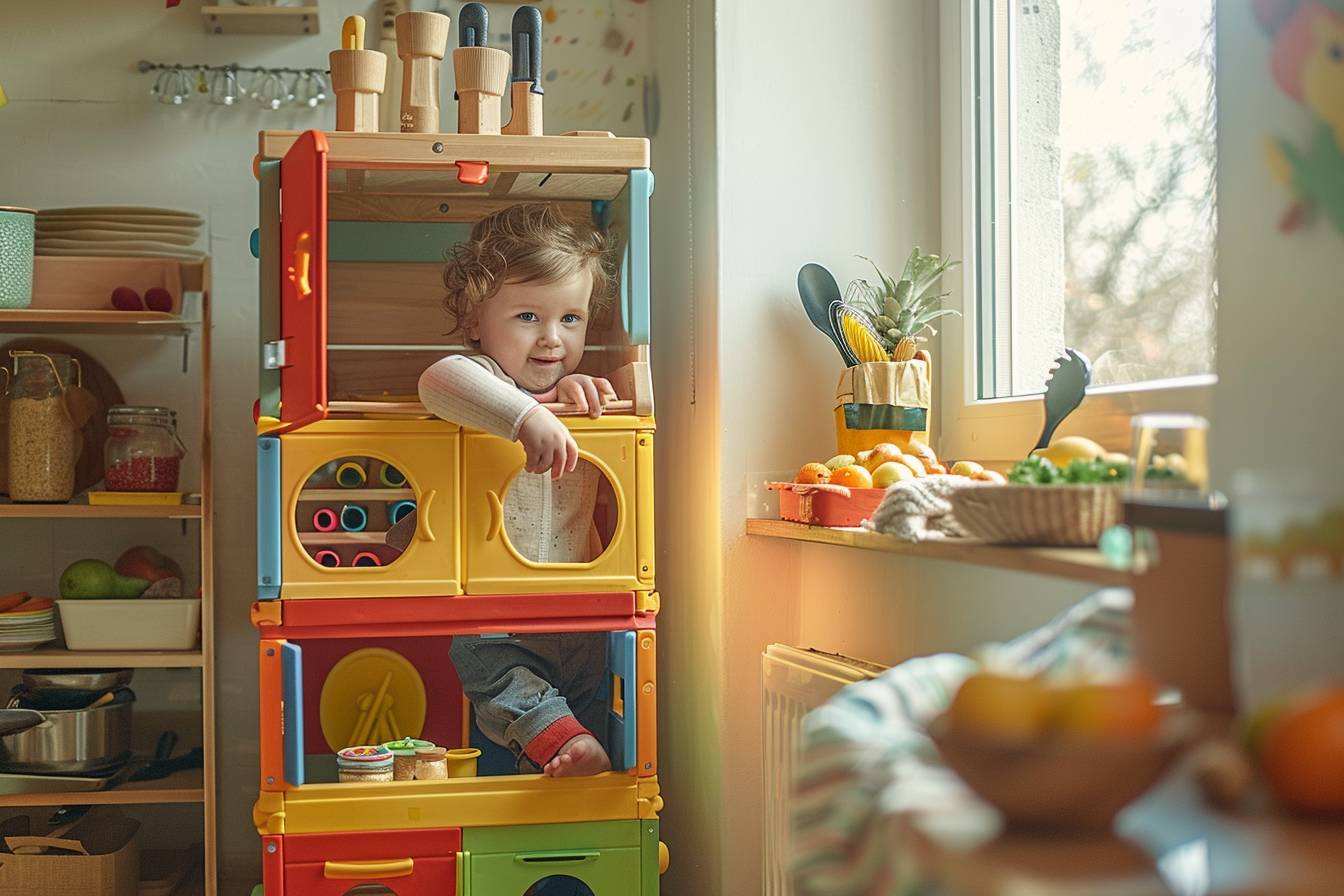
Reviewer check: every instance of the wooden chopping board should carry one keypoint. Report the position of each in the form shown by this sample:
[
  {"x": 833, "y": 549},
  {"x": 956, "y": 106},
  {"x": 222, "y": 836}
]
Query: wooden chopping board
[{"x": 89, "y": 465}]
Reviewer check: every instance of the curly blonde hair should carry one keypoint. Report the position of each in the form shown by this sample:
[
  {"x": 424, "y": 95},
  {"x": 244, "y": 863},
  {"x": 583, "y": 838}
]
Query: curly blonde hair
[{"x": 526, "y": 243}]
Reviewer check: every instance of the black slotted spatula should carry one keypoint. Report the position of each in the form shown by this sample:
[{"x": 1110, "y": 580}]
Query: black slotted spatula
[{"x": 1064, "y": 391}]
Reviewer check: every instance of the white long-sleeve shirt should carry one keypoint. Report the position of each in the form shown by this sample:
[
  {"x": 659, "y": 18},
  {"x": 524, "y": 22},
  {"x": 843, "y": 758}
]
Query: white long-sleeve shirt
[{"x": 547, "y": 520}]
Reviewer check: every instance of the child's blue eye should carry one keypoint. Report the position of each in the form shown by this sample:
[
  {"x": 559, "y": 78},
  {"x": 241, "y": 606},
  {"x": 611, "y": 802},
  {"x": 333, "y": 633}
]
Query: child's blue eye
[
  {"x": 529, "y": 316},
  {"x": 570, "y": 319}
]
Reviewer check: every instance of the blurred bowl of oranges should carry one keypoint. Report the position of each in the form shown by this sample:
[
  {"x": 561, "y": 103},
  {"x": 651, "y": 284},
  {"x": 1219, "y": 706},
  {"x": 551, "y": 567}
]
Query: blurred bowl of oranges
[{"x": 1055, "y": 757}]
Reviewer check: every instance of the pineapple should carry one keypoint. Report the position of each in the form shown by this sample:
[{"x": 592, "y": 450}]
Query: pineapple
[{"x": 902, "y": 312}]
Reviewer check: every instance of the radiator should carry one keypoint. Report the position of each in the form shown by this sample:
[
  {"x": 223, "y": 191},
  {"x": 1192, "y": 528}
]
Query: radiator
[{"x": 795, "y": 681}]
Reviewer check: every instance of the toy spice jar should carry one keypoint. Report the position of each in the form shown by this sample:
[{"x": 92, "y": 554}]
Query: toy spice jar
[
  {"x": 364, "y": 765},
  {"x": 431, "y": 764},
  {"x": 462, "y": 762},
  {"x": 143, "y": 452},
  {"x": 43, "y": 439},
  {"x": 403, "y": 756}
]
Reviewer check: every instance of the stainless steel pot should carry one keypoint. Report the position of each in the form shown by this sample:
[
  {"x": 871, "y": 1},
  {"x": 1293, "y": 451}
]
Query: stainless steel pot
[
  {"x": 71, "y": 741},
  {"x": 37, "y": 681}
]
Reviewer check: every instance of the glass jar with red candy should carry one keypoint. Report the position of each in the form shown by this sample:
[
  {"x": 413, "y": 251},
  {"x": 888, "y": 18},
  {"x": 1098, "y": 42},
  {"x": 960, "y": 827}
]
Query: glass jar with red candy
[{"x": 143, "y": 452}]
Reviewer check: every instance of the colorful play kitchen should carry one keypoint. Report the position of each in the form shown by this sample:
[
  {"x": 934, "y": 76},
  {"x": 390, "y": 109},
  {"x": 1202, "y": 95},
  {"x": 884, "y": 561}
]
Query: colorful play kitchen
[{"x": 373, "y": 770}]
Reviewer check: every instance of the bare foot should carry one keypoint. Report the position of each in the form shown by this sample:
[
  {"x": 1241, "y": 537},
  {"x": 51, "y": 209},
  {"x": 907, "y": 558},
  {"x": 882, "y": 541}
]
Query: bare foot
[{"x": 581, "y": 755}]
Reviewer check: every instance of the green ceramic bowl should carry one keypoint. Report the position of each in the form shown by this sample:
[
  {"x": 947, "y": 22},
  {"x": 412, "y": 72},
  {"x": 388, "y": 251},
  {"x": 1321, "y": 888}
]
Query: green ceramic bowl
[{"x": 16, "y": 256}]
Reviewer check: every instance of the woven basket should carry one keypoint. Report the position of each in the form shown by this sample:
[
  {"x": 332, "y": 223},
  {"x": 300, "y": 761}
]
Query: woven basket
[{"x": 1038, "y": 514}]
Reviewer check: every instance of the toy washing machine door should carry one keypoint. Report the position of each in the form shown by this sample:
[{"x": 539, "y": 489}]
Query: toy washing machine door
[
  {"x": 346, "y": 484},
  {"x": 588, "y": 532}
]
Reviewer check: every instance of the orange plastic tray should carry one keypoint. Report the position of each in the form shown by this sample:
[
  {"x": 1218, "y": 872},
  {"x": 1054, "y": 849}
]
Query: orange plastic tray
[{"x": 826, "y": 505}]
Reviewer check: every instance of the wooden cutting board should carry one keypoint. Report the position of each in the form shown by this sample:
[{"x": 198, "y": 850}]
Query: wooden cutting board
[{"x": 89, "y": 466}]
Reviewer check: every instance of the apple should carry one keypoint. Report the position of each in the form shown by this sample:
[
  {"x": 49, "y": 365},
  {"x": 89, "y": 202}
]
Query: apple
[
  {"x": 1109, "y": 710},
  {"x": 144, "y": 562},
  {"x": 883, "y": 452},
  {"x": 890, "y": 473},
  {"x": 1003, "y": 707}
]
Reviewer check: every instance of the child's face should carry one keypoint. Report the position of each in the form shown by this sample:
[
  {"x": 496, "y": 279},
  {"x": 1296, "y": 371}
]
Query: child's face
[{"x": 535, "y": 331}]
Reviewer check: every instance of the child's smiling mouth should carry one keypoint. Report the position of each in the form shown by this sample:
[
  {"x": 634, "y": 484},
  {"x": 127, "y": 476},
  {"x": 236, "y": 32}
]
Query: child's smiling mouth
[{"x": 546, "y": 362}]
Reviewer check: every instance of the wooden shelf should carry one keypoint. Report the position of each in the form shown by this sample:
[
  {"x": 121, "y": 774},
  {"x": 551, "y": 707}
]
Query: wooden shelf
[
  {"x": 60, "y": 658},
  {"x": 260, "y": 19},
  {"x": 50, "y": 320},
  {"x": 322, "y": 538},
  {"x": 179, "y": 787},
  {"x": 1079, "y": 564},
  {"x": 100, "y": 511},
  {"x": 356, "y": 494}
]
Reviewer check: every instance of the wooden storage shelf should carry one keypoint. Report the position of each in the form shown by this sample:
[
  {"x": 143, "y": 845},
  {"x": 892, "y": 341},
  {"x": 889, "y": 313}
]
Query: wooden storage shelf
[
  {"x": 342, "y": 537},
  {"x": 50, "y": 320},
  {"x": 356, "y": 494},
  {"x": 261, "y": 19},
  {"x": 1079, "y": 564},
  {"x": 100, "y": 511},
  {"x": 60, "y": 658},
  {"x": 185, "y": 786}
]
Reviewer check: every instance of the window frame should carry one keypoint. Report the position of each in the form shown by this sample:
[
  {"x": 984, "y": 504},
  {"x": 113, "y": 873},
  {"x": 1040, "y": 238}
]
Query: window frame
[{"x": 1003, "y": 430}]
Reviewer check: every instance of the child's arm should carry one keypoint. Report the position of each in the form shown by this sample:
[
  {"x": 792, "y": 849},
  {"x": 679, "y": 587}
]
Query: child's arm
[{"x": 468, "y": 393}]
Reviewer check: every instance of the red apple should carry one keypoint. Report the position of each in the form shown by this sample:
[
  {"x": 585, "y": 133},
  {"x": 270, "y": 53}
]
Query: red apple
[
  {"x": 126, "y": 299},
  {"x": 144, "y": 562},
  {"x": 158, "y": 299}
]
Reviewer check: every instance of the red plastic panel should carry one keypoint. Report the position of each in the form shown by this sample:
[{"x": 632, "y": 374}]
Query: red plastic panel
[
  {"x": 372, "y": 845},
  {"x": 428, "y": 877},
  {"x": 303, "y": 281},
  {"x": 441, "y": 629},
  {"x": 462, "y": 608},
  {"x": 273, "y": 865}
]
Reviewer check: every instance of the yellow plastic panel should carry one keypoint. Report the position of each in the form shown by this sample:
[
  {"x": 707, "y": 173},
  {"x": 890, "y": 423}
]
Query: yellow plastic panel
[
  {"x": 428, "y": 453},
  {"x": 644, "y": 505},
  {"x": 495, "y": 567},
  {"x": 468, "y": 802}
]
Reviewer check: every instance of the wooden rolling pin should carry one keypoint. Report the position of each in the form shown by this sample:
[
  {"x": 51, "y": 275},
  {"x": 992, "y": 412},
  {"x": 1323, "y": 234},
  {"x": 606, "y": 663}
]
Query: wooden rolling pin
[
  {"x": 422, "y": 39},
  {"x": 357, "y": 76},
  {"x": 481, "y": 73}
]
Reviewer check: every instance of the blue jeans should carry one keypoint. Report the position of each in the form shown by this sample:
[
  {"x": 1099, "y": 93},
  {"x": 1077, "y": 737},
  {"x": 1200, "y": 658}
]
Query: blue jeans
[{"x": 521, "y": 684}]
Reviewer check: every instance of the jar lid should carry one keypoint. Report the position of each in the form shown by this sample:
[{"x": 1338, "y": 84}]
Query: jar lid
[
  {"x": 373, "y": 756},
  {"x": 145, "y": 410},
  {"x": 407, "y": 746},
  {"x": 430, "y": 754}
]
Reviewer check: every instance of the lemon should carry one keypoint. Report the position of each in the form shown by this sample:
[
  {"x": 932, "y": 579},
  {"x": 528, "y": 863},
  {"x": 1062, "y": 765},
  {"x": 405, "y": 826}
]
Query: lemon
[{"x": 1064, "y": 451}]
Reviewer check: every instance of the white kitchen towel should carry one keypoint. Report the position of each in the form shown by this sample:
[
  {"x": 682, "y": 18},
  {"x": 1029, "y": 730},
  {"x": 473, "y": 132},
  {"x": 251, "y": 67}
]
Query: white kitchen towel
[{"x": 920, "y": 509}]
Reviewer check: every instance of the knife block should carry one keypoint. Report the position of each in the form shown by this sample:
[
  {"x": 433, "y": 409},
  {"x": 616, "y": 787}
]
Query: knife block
[
  {"x": 526, "y": 118},
  {"x": 481, "y": 73},
  {"x": 422, "y": 39},
  {"x": 357, "y": 77}
]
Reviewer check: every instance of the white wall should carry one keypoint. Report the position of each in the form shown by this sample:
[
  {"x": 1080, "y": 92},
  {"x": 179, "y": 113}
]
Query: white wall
[
  {"x": 1281, "y": 297},
  {"x": 81, "y": 129}
]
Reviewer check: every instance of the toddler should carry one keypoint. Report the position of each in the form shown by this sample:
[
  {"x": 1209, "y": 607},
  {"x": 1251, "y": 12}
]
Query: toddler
[{"x": 522, "y": 291}]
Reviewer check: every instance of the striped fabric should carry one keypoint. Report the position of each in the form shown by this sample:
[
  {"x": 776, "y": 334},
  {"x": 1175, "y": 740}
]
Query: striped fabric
[{"x": 865, "y": 760}]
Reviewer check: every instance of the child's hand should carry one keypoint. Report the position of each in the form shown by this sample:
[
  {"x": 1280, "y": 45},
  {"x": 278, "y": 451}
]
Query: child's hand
[
  {"x": 588, "y": 393},
  {"x": 548, "y": 444}
]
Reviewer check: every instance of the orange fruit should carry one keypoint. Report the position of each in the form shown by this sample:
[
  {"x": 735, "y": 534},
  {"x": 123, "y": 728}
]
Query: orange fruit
[
  {"x": 1003, "y": 707},
  {"x": 1302, "y": 755},
  {"x": 852, "y": 476},
  {"x": 813, "y": 474},
  {"x": 1109, "y": 711}
]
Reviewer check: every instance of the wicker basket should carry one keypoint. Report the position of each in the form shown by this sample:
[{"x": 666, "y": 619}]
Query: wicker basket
[{"x": 1038, "y": 514}]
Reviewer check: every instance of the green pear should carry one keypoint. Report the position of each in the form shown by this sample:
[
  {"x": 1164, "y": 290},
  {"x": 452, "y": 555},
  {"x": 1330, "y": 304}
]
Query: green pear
[{"x": 95, "y": 579}]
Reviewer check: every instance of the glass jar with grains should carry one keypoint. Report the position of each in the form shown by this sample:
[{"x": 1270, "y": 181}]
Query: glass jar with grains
[{"x": 43, "y": 440}]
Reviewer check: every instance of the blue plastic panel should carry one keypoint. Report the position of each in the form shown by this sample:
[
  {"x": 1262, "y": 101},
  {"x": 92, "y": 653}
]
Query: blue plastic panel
[
  {"x": 622, "y": 730},
  {"x": 635, "y": 272},
  {"x": 291, "y": 691},
  {"x": 268, "y": 518}
]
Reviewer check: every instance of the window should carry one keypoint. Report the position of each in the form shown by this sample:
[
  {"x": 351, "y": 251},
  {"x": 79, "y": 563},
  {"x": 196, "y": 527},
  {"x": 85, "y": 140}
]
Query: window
[{"x": 1093, "y": 178}]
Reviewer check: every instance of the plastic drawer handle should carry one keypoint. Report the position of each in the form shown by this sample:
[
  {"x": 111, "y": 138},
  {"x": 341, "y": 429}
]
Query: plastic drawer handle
[
  {"x": 368, "y": 870},
  {"x": 422, "y": 517},
  {"x": 496, "y": 516},
  {"x": 303, "y": 256},
  {"x": 556, "y": 858}
]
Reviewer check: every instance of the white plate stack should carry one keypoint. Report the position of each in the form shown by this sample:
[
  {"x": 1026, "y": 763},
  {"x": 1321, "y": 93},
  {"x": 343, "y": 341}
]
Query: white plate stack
[
  {"x": 119, "y": 230},
  {"x": 24, "y": 629}
]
